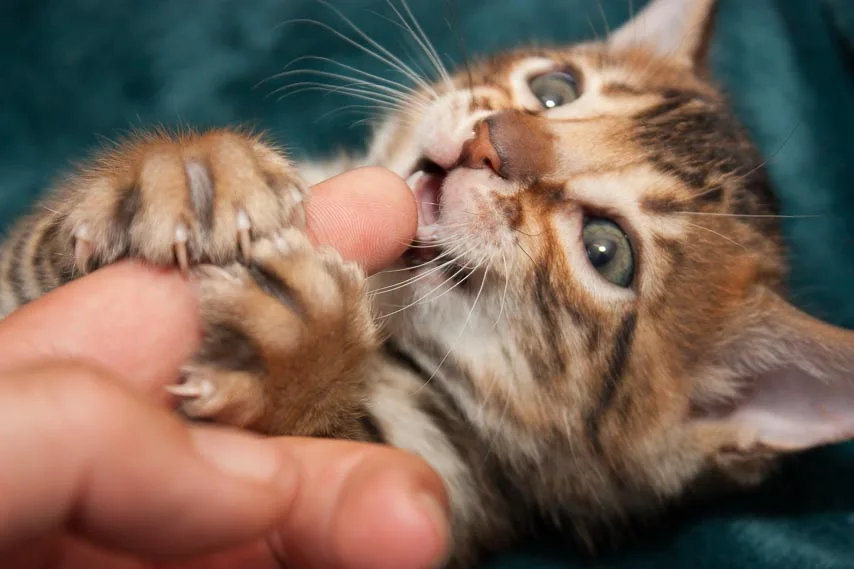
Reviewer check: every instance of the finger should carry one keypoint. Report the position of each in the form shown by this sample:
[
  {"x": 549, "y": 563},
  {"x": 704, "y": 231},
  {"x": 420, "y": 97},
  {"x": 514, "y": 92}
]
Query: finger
[
  {"x": 134, "y": 321},
  {"x": 362, "y": 507},
  {"x": 81, "y": 449},
  {"x": 367, "y": 214}
]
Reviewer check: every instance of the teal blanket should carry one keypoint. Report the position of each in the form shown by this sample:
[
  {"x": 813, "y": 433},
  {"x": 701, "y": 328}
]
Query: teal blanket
[{"x": 74, "y": 70}]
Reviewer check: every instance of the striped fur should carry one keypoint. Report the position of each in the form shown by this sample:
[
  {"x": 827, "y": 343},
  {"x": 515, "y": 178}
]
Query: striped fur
[{"x": 533, "y": 386}]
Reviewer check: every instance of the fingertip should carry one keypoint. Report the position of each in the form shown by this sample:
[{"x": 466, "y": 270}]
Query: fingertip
[{"x": 369, "y": 215}]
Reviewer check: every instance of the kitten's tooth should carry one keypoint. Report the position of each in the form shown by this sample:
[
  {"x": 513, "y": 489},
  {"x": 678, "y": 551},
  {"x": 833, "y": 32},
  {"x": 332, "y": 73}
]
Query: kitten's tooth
[
  {"x": 82, "y": 249},
  {"x": 428, "y": 233},
  {"x": 181, "y": 248},
  {"x": 243, "y": 240},
  {"x": 412, "y": 181}
]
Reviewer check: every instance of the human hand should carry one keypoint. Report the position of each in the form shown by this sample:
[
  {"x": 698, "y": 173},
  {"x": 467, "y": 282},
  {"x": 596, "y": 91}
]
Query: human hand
[{"x": 95, "y": 471}]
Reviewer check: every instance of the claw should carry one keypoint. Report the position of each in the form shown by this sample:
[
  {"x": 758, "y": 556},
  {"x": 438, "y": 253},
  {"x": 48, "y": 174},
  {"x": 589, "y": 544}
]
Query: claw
[
  {"x": 82, "y": 249},
  {"x": 296, "y": 195},
  {"x": 181, "y": 248},
  {"x": 195, "y": 390},
  {"x": 243, "y": 238}
]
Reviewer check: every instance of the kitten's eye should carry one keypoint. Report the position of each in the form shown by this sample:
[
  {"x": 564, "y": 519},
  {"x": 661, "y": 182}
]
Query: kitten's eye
[
  {"x": 555, "y": 89},
  {"x": 609, "y": 250}
]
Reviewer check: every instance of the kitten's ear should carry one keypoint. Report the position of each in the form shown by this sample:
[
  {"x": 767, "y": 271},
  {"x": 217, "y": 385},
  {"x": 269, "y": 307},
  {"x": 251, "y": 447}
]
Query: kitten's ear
[
  {"x": 798, "y": 381},
  {"x": 677, "y": 29}
]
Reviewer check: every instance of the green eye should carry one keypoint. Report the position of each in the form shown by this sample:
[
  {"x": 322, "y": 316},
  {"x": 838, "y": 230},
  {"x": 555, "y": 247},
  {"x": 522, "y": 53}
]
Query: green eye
[
  {"x": 609, "y": 251},
  {"x": 555, "y": 89}
]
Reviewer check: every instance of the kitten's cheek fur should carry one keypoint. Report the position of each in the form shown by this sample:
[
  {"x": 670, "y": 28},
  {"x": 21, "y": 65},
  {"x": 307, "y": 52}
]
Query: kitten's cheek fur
[{"x": 368, "y": 214}]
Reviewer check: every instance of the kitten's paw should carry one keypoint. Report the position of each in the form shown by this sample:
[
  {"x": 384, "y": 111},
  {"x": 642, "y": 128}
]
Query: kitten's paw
[
  {"x": 285, "y": 336},
  {"x": 180, "y": 200}
]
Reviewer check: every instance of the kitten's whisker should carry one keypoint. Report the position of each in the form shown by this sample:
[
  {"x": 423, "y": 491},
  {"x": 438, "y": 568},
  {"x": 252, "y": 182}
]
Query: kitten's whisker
[
  {"x": 527, "y": 234},
  {"x": 424, "y": 42},
  {"x": 525, "y": 252},
  {"x": 460, "y": 42},
  {"x": 414, "y": 278},
  {"x": 504, "y": 294},
  {"x": 376, "y": 117},
  {"x": 383, "y": 108},
  {"x": 465, "y": 324},
  {"x": 425, "y": 298},
  {"x": 355, "y": 91},
  {"x": 718, "y": 234},
  {"x": 373, "y": 112},
  {"x": 596, "y": 36},
  {"x": 295, "y": 89},
  {"x": 409, "y": 281},
  {"x": 379, "y": 79},
  {"x": 413, "y": 56},
  {"x": 748, "y": 215},
  {"x": 402, "y": 96},
  {"x": 379, "y": 52},
  {"x": 604, "y": 20}
]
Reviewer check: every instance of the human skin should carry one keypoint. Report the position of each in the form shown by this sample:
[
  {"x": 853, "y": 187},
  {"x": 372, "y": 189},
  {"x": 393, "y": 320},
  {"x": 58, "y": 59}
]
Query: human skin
[{"x": 98, "y": 472}]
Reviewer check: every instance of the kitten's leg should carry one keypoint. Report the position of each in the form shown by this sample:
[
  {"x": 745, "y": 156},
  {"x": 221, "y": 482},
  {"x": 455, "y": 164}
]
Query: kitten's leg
[
  {"x": 183, "y": 199},
  {"x": 286, "y": 338}
]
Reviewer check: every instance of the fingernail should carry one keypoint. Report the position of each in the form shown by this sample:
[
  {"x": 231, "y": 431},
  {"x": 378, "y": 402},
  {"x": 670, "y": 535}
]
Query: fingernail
[
  {"x": 241, "y": 455},
  {"x": 438, "y": 515}
]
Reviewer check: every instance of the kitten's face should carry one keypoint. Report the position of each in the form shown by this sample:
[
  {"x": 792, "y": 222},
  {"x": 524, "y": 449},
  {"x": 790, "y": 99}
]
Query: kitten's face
[{"x": 593, "y": 234}]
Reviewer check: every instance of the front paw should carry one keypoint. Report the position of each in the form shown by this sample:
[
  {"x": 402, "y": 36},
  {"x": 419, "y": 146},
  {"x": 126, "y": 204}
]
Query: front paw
[
  {"x": 181, "y": 200},
  {"x": 285, "y": 337}
]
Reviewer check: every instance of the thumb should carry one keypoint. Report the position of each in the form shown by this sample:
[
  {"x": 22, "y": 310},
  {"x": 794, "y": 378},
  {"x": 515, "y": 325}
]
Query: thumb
[{"x": 78, "y": 449}]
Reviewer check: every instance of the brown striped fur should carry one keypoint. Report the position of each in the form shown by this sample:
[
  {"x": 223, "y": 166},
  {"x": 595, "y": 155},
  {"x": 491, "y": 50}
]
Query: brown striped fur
[{"x": 531, "y": 384}]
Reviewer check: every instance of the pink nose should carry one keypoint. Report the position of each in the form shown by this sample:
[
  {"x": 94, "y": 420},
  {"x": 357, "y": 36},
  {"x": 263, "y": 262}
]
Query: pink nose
[{"x": 478, "y": 152}]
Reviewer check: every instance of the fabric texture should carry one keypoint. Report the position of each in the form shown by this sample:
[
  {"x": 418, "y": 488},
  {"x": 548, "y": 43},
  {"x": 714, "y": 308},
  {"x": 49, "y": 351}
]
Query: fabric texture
[{"x": 72, "y": 71}]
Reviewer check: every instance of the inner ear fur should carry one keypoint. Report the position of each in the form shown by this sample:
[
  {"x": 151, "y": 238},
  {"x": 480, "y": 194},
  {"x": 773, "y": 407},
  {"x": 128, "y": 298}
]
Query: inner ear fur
[{"x": 793, "y": 378}]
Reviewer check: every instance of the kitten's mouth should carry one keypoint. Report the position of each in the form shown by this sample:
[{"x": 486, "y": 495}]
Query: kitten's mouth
[{"x": 426, "y": 184}]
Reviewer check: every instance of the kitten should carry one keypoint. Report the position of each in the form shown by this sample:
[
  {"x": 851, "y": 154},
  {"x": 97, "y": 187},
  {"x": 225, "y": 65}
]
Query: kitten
[{"x": 594, "y": 315}]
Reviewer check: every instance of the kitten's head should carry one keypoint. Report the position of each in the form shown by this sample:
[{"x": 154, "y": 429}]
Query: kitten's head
[{"x": 601, "y": 291}]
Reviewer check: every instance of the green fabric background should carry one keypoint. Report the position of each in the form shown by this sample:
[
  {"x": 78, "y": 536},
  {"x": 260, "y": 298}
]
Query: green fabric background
[{"x": 74, "y": 70}]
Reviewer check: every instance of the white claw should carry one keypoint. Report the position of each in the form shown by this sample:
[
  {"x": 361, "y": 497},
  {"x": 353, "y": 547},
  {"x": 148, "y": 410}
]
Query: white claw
[
  {"x": 82, "y": 248},
  {"x": 243, "y": 239},
  {"x": 203, "y": 389},
  {"x": 243, "y": 220},
  {"x": 184, "y": 390},
  {"x": 280, "y": 244},
  {"x": 181, "y": 248}
]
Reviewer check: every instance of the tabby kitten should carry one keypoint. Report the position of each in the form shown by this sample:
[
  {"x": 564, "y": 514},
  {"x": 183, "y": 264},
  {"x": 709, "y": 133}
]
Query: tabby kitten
[{"x": 592, "y": 319}]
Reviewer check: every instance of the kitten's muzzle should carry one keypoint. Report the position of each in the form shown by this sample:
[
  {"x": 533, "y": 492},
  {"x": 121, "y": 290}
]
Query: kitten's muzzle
[{"x": 515, "y": 145}]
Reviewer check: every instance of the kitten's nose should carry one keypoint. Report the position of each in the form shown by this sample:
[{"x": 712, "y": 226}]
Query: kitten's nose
[
  {"x": 478, "y": 152},
  {"x": 513, "y": 144}
]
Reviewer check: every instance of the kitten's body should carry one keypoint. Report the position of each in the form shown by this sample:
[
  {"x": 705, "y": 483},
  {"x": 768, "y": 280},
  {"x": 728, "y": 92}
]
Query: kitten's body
[{"x": 536, "y": 384}]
